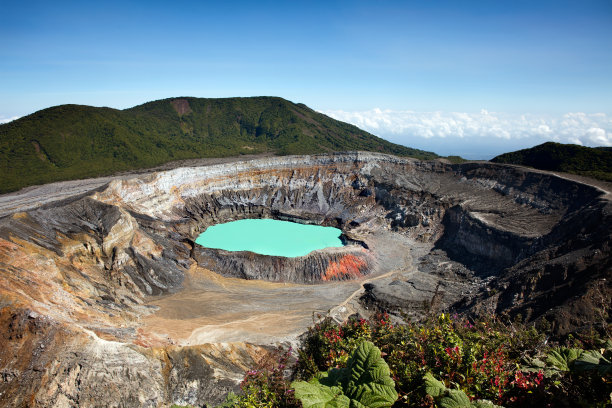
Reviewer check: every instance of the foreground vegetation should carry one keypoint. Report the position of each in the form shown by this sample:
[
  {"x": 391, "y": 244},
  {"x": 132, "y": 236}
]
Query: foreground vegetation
[
  {"x": 443, "y": 362},
  {"x": 584, "y": 161},
  {"x": 72, "y": 141}
]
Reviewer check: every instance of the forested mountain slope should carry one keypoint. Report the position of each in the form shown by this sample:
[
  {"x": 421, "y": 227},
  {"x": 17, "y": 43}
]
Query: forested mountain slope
[
  {"x": 586, "y": 161},
  {"x": 74, "y": 141}
]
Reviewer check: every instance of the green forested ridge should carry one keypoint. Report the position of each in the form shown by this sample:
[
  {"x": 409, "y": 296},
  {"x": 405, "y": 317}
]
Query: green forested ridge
[
  {"x": 586, "y": 161},
  {"x": 74, "y": 141}
]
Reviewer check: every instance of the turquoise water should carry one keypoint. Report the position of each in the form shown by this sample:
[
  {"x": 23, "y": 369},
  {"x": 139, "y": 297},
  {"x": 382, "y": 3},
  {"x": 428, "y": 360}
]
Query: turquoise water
[{"x": 270, "y": 237}]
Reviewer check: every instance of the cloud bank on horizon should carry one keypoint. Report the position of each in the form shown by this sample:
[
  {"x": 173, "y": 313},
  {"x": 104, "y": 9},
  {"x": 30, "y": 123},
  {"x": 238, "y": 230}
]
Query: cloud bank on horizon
[
  {"x": 4, "y": 120},
  {"x": 480, "y": 135}
]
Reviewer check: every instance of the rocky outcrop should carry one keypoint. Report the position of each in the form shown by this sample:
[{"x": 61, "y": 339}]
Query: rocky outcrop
[
  {"x": 463, "y": 241},
  {"x": 565, "y": 283},
  {"x": 78, "y": 276},
  {"x": 352, "y": 262},
  {"x": 51, "y": 365}
]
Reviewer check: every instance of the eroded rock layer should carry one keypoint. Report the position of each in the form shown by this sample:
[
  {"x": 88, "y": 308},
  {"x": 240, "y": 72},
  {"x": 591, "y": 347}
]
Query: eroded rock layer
[{"x": 88, "y": 284}]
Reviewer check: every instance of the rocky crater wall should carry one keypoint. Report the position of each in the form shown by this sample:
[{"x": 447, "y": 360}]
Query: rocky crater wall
[
  {"x": 319, "y": 266},
  {"x": 85, "y": 268}
]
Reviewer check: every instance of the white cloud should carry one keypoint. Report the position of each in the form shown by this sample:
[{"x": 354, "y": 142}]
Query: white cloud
[
  {"x": 598, "y": 136},
  {"x": 575, "y": 127},
  {"x": 574, "y": 140},
  {"x": 7, "y": 120}
]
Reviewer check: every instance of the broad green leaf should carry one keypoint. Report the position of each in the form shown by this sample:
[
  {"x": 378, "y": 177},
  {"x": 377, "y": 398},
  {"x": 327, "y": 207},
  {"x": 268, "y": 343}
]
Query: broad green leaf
[
  {"x": 369, "y": 379},
  {"x": 433, "y": 387},
  {"x": 315, "y": 395},
  {"x": 357, "y": 404},
  {"x": 364, "y": 383},
  {"x": 536, "y": 363},
  {"x": 563, "y": 358},
  {"x": 455, "y": 399},
  {"x": 484, "y": 404},
  {"x": 593, "y": 361},
  {"x": 341, "y": 401},
  {"x": 449, "y": 398},
  {"x": 333, "y": 377}
]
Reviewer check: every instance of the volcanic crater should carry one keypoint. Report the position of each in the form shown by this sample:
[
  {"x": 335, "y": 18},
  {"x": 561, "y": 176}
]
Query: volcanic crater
[{"x": 104, "y": 286}]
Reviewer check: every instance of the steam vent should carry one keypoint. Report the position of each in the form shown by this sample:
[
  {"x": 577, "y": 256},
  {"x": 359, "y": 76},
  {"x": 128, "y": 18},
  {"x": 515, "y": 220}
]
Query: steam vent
[{"x": 103, "y": 287}]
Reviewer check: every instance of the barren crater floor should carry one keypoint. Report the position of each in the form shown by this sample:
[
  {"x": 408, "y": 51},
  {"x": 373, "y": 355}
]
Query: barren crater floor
[
  {"x": 102, "y": 284},
  {"x": 214, "y": 309}
]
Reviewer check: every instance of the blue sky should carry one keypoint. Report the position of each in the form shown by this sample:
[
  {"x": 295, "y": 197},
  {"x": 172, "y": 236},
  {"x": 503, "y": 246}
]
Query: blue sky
[{"x": 409, "y": 71}]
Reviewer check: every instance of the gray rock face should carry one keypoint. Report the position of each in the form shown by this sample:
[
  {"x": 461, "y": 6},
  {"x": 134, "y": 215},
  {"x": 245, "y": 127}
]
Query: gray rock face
[
  {"x": 316, "y": 267},
  {"x": 77, "y": 276}
]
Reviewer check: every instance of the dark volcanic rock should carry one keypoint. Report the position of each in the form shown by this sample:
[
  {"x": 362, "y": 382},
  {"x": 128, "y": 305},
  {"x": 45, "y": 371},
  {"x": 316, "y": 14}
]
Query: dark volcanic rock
[
  {"x": 323, "y": 265},
  {"x": 567, "y": 282}
]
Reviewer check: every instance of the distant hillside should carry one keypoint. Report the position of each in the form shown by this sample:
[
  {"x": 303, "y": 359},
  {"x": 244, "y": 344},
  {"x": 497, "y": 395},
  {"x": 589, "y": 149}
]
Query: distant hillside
[
  {"x": 585, "y": 161},
  {"x": 74, "y": 141}
]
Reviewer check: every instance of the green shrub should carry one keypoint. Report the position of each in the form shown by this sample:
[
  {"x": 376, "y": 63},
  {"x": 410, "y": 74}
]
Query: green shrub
[
  {"x": 450, "y": 398},
  {"x": 266, "y": 386},
  {"x": 364, "y": 382},
  {"x": 503, "y": 362}
]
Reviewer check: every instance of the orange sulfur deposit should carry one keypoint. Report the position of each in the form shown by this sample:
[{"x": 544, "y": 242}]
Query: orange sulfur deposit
[{"x": 348, "y": 267}]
